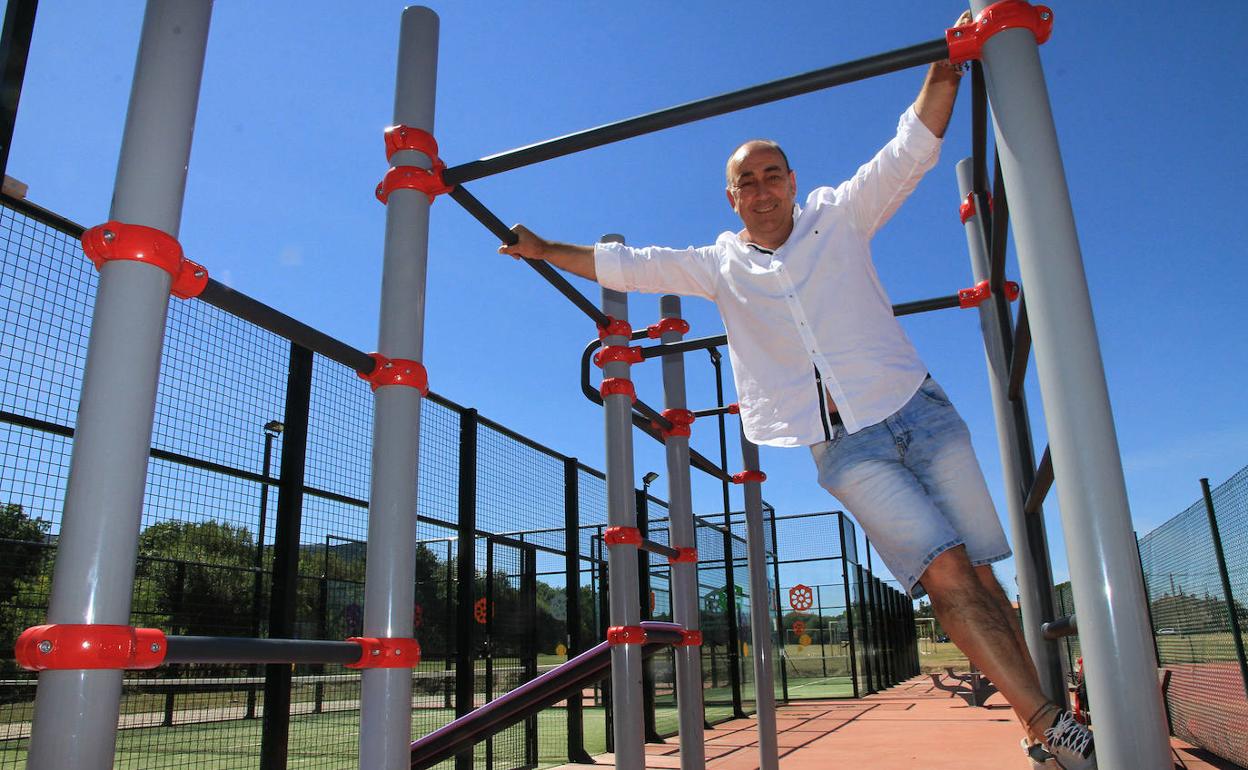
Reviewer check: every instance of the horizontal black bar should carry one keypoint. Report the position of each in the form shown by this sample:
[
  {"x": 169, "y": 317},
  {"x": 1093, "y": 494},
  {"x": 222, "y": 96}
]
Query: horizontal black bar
[
  {"x": 684, "y": 346},
  {"x": 840, "y": 74},
  {"x": 238, "y": 304},
  {"x": 1067, "y": 626},
  {"x": 40, "y": 214},
  {"x": 925, "y": 305},
  {"x": 659, "y": 548},
  {"x": 229, "y": 649},
  {"x": 712, "y": 412},
  {"x": 1040, "y": 487},
  {"x": 1022, "y": 350},
  {"x": 501, "y": 231}
]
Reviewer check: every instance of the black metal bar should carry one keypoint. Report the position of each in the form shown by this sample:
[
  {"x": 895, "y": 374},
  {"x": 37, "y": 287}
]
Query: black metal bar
[
  {"x": 572, "y": 582},
  {"x": 465, "y": 672},
  {"x": 1040, "y": 486},
  {"x": 1021, "y": 352},
  {"x": 1231, "y": 607},
  {"x": 501, "y": 231},
  {"x": 979, "y": 128},
  {"x": 713, "y": 412},
  {"x": 254, "y": 311},
  {"x": 1060, "y": 628},
  {"x": 1000, "y": 212},
  {"x": 19, "y": 26},
  {"x": 233, "y": 649},
  {"x": 641, "y": 505},
  {"x": 925, "y": 305},
  {"x": 684, "y": 346},
  {"x": 284, "y": 590},
  {"x": 850, "y": 610},
  {"x": 860, "y": 69},
  {"x": 778, "y": 604},
  {"x": 659, "y": 548}
]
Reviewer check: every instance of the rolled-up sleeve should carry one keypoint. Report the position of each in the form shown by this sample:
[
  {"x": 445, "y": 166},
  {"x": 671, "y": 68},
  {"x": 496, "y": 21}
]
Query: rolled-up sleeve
[{"x": 655, "y": 269}]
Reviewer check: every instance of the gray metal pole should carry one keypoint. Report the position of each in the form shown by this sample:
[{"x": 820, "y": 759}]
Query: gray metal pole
[
  {"x": 1105, "y": 574},
  {"x": 684, "y": 574},
  {"x": 1031, "y": 560},
  {"x": 75, "y": 719},
  {"x": 760, "y": 620},
  {"x": 626, "y": 669},
  {"x": 386, "y": 697}
]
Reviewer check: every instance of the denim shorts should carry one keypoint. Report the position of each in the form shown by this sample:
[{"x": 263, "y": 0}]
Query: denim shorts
[{"x": 915, "y": 487}]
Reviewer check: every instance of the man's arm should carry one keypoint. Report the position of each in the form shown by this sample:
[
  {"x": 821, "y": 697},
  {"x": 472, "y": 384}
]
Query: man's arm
[
  {"x": 578, "y": 260},
  {"x": 934, "y": 104}
]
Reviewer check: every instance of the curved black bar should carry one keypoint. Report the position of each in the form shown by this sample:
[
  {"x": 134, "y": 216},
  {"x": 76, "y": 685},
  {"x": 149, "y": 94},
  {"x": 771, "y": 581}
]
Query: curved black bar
[
  {"x": 529, "y": 698},
  {"x": 684, "y": 346},
  {"x": 238, "y": 304},
  {"x": 840, "y": 74},
  {"x": 228, "y": 649},
  {"x": 501, "y": 231}
]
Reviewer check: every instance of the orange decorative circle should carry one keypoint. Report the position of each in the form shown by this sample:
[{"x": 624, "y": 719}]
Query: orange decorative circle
[
  {"x": 801, "y": 598},
  {"x": 799, "y": 627},
  {"x": 481, "y": 611}
]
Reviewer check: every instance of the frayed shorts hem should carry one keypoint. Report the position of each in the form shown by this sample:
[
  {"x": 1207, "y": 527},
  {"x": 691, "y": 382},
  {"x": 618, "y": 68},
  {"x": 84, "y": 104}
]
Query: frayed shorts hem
[{"x": 915, "y": 589}]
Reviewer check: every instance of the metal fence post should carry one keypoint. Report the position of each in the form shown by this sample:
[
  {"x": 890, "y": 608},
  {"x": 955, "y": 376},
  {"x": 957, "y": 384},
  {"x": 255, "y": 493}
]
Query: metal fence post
[
  {"x": 93, "y": 578},
  {"x": 850, "y": 610},
  {"x": 1105, "y": 575},
  {"x": 645, "y": 591},
  {"x": 682, "y": 532},
  {"x": 572, "y": 578},
  {"x": 760, "y": 621},
  {"x": 466, "y": 573},
  {"x": 626, "y": 673},
  {"x": 1231, "y": 610},
  {"x": 1034, "y": 574}
]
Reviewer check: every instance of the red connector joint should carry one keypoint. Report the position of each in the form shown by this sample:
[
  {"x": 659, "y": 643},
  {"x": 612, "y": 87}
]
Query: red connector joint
[
  {"x": 974, "y": 296},
  {"x": 626, "y": 635},
  {"x": 679, "y": 325},
  {"x": 396, "y": 371},
  {"x": 689, "y": 638},
  {"x": 78, "y": 646},
  {"x": 686, "y": 556},
  {"x": 734, "y": 409},
  {"x": 967, "y": 209},
  {"x": 966, "y": 42},
  {"x": 137, "y": 243},
  {"x": 614, "y": 328},
  {"x": 617, "y": 354},
  {"x": 622, "y": 536},
  {"x": 747, "y": 476},
  {"x": 412, "y": 178},
  {"x": 403, "y": 137},
  {"x": 386, "y": 652},
  {"x": 617, "y": 386},
  {"x": 680, "y": 419}
]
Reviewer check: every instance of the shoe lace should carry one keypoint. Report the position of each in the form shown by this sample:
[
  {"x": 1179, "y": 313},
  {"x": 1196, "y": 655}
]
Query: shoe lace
[{"x": 1068, "y": 733}]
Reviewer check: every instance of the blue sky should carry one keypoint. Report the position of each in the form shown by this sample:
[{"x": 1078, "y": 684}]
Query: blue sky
[{"x": 288, "y": 149}]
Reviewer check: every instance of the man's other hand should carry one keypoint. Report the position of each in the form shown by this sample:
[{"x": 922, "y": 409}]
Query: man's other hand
[{"x": 528, "y": 244}]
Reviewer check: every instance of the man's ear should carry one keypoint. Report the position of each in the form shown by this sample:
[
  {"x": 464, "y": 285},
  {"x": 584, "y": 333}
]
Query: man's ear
[
  {"x": 793, "y": 181},
  {"x": 732, "y": 202}
]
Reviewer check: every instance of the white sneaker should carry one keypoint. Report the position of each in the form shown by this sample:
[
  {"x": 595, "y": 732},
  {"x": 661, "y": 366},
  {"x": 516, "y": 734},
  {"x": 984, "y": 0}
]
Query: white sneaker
[
  {"x": 1070, "y": 743},
  {"x": 1040, "y": 759}
]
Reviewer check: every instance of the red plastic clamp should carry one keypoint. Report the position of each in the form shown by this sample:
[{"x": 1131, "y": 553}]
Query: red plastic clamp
[
  {"x": 118, "y": 240},
  {"x": 680, "y": 419},
  {"x": 734, "y": 409},
  {"x": 386, "y": 652},
  {"x": 617, "y": 386},
  {"x": 403, "y": 137},
  {"x": 396, "y": 371},
  {"x": 966, "y": 42},
  {"x": 615, "y": 327},
  {"x": 617, "y": 354},
  {"x": 679, "y": 325},
  {"x": 626, "y": 635},
  {"x": 974, "y": 296},
  {"x": 412, "y": 178},
  {"x": 622, "y": 536},
  {"x": 747, "y": 476},
  {"x": 689, "y": 638},
  {"x": 686, "y": 556},
  {"x": 81, "y": 646},
  {"x": 967, "y": 209}
]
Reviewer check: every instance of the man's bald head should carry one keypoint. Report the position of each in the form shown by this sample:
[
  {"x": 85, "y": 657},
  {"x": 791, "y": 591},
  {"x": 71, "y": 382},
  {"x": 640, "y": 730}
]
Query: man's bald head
[{"x": 746, "y": 148}]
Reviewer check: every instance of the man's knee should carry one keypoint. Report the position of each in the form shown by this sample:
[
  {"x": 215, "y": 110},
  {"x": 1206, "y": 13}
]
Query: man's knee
[{"x": 951, "y": 570}]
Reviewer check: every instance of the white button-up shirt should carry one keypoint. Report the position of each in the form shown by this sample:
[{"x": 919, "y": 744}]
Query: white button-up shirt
[{"x": 810, "y": 315}]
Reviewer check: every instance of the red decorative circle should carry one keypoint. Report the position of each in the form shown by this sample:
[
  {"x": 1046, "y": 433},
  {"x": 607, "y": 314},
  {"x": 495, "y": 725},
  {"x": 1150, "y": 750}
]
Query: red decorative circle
[
  {"x": 481, "y": 611},
  {"x": 801, "y": 598},
  {"x": 799, "y": 627}
]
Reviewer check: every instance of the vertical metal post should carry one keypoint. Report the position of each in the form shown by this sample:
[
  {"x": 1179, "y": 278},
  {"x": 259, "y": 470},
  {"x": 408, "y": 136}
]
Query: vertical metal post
[
  {"x": 1105, "y": 575},
  {"x": 572, "y": 579},
  {"x": 760, "y": 625},
  {"x": 730, "y": 579},
  {"x": 683, "y": 534},
  {"x": 389, "y": 588},
  {"x": 1034, "y": 574},
  {"x": 285, "y": 582},
  {"x": 75, "y": 719},
  {"x": 19, "y": 26},
  {"x": 645, "y": 591},
  {"x": 779, "y": 605},
  {"x": 823, "y": 648},
  {"x": 626, "y": 672},
  {"x": 257, "y": 588},
  {"x": 466, "y": 573},
  {"x": 1231, "y": 611},
  {"x": 850, "y": 610}
]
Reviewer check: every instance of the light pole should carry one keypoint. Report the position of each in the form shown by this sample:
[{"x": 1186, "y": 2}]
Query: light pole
[
  {"x": 647, "y": 480},
  {"x": 272, "y": 429}
]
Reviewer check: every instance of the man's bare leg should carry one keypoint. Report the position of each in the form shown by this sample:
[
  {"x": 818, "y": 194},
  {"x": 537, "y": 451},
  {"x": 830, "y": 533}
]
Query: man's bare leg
[
  {"x": 973, "y": 616},
  {"x": 990, "y": 582}
]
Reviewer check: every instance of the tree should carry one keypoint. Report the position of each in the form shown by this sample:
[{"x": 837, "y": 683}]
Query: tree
[
  {"x": 199, "y": 575},
  {"x": 24, "y": 566}
]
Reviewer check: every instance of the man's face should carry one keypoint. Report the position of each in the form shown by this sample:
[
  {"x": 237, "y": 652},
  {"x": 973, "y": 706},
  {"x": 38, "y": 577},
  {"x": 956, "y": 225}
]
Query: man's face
[{"x": 761, "y": 189}]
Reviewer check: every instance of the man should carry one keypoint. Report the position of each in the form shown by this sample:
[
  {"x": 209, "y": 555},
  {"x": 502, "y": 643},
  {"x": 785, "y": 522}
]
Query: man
[{"x": 820, "y": 361}]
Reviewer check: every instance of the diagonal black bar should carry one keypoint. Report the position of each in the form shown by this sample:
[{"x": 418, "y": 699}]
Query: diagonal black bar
[
  {"x": 238, "y": 304},
  {"x": 1021, "y": 352},
  {"x": 979, "y": 129},
  {"x": 495, "y": 225},
  {"x": 1000, "y": 231},
  {"x": 840, "y": 74},
  {"x": 19, "y": 26},
  {"x": 659, "y": 548},
  {"x": 1040, "y": 487}
]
